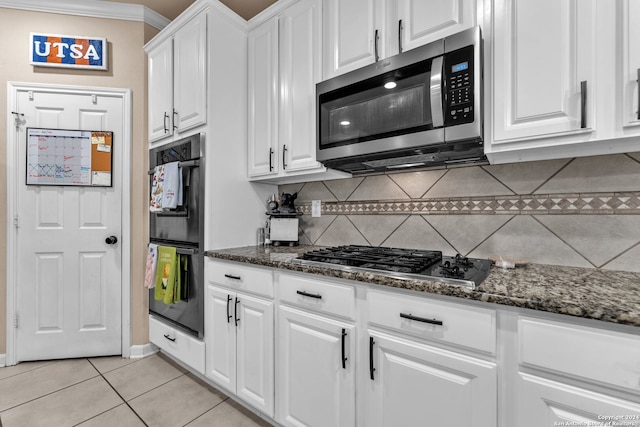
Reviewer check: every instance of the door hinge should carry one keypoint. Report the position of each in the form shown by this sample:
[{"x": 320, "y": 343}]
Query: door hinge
[
  {"x": 15, "y": 320},
  {"x": 15, "y": 221}
]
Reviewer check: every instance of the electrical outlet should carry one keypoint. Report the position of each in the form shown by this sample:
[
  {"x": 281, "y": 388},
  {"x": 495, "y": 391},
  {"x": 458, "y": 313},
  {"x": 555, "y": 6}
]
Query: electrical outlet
[{"x": 315, "y": 208}]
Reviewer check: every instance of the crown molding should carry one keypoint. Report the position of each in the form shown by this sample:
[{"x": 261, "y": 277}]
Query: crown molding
[{"x": 92, "y": 9}]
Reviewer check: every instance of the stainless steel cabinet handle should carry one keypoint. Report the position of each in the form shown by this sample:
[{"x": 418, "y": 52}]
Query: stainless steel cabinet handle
[
  {"x": 583, "y": 104},
  {"x": 175, "y": 113},
  {"x": 435, "y": 90},
  {"x": 400, "y": 36},
  {"x": 375, "y": 46},
  {"x": 166, "y": 127},
  {"x": 284, "y": 157},
  {"x": 420, "y": 319}
]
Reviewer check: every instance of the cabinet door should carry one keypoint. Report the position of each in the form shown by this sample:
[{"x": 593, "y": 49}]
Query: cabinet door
[
  {"x": 543, "y": 50},
  {"x": 160, "y": 88},
  {"x": 312, "y": 386},
  {"x": 300, "y": 70},
  {"x": 416, "y": 384},
  {"x": 190, "y": 64},
  {"x": 349, "y": 32},
  {"x": 263, "y": 99},
  {"x": 419, "y": 22},
  {"x": 254, "y": 350},
  {"x": 545, "y": 403},
  {"x": 221, "y": 337},
  {"x": 630, "y": 14}
]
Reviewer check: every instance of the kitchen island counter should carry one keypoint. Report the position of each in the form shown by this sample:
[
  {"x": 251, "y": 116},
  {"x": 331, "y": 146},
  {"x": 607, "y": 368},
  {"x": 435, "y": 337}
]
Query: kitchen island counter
[{"x": 607, "y": 295}]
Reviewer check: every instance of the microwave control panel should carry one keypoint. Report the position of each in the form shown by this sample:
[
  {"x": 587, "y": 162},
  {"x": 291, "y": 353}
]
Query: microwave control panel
[{"x": 459, "y": 87}]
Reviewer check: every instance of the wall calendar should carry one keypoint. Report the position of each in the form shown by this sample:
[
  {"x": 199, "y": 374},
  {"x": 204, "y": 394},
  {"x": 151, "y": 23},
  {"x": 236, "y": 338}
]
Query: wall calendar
[{"x": 69, "y": 157}]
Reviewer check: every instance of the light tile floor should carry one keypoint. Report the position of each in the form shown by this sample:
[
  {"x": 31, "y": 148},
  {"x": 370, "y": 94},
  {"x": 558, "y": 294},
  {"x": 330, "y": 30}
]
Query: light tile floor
[{"x": 111, "y": 391}]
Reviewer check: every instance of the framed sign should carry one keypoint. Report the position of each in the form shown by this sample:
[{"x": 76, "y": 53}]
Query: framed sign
[
  {"x": 69, "y": 157},
  {"x": 54, "y": 50}
]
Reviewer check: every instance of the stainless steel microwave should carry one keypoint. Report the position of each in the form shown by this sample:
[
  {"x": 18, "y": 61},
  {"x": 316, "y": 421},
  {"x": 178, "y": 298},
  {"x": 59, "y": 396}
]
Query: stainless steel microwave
[{"x": 420, "y": 108}]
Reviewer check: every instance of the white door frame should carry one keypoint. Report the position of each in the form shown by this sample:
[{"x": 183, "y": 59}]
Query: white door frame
[{"x": 13, "y": 89}]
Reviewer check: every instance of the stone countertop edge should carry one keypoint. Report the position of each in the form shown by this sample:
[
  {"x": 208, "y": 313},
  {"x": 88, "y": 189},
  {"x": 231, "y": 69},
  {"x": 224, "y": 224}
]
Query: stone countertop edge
[{"x": 606, "y": 295}]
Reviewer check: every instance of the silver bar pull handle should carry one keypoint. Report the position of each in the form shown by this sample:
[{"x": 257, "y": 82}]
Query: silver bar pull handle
[
  {"x": 375, "y": 46},
  {"x": 400, "y": 36},
  {"x": 583, "y": 104},
  {"x": 164, "y": 122},
  {"x": 435, "y": 90},
  {"x": 638, "y": 112}
]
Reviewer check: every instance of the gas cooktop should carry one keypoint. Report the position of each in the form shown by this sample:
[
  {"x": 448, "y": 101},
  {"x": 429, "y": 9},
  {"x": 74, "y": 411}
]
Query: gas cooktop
[{"x": 401, "y": 263}]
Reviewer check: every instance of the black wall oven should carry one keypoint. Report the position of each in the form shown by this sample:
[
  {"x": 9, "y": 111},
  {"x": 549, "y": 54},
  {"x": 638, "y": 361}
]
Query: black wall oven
[{"x": 183, "y": 228}]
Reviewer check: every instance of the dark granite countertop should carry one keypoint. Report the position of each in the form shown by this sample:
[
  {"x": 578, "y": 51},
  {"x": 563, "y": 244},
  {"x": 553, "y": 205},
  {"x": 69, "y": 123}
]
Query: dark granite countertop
[{"x": 607, "y": 295}]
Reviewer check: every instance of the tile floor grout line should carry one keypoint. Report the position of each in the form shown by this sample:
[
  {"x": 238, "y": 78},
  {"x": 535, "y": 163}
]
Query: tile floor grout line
[
  {"x": 49, "y": 394},
  {"x": 204, "y": 413},
  {"x": 119, "y": 395}
]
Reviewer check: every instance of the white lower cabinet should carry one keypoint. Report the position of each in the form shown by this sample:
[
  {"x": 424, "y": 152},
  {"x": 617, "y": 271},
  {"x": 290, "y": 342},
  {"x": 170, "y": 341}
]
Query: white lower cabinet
[
  {"x": 316, "y": 370},
  {"x": 416, "y": 384},
  {"x": 239, "y": 331},
  {"x": 184, "y": 347},
  {"x": 543, "y": 402}
]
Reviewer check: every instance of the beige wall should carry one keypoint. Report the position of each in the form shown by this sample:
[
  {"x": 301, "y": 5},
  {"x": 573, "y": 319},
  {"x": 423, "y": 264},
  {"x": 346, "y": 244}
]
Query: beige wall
[{"x": 127, "y": 69}]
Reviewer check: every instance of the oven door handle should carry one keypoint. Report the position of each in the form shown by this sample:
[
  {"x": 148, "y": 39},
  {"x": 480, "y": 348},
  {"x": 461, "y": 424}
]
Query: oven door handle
[
  {"x": 186, "y": 164},
  {"x": 435, "y": 92}
]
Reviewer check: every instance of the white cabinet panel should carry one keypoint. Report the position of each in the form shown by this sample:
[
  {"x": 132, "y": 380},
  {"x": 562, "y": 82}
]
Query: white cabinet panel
[
  {"x": 177, "y": 78},
  {"x": 349, "y": 31},
  {"x": 413, "y": 382},
  {"x": 190, "y": 69},
  {"x": 239, "y": 333},
  {"x": 629, "y": 11},
  {"x": 178, "y": 344},
  {"x": 300, "y": 70},
  {"x": 160, "y": 82},
  {"x": 263, "y": 99},
  {"x": 538, "y": 73},
  {"x": 313, "y": 386},
  {"x": 426, "y": 21},
  {"x": 548, "y": 403}
]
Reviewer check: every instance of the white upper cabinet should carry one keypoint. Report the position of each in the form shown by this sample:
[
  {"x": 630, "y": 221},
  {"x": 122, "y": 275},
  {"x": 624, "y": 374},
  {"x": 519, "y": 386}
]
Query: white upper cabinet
[
  {"x": 160, "y": 97},
  {"x": 629, "y": 10},
  {"x": 263, "y": 99},
  {"x": 539, "y": 71},
  {"x": 178, "y": 80},
  {"x": 190, "y": 72},
  {"x": 563, "y": 79},
  {"x": 360, "y": 32},
  {"x": 284, "y": 67}
]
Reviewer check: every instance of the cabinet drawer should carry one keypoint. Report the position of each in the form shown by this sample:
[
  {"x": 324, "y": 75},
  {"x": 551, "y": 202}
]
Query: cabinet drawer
[
  {"x": 320, "y": 295},
  {"x": 458, "y": 324},
  {"x": 600, "y": 355},
  {"x": 240, "y": 277},
  {"x": 178, "y": 344}
]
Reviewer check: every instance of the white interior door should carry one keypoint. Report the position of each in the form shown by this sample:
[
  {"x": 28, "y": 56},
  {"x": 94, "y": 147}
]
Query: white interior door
[{"x": 68, "y": 287}]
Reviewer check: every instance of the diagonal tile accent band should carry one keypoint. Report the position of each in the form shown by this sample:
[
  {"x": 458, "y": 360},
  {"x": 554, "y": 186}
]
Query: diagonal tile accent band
[{"x": 627, "y": 203}]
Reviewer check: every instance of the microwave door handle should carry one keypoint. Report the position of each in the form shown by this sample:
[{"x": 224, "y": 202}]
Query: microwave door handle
[{"x": 435, "y": 90}]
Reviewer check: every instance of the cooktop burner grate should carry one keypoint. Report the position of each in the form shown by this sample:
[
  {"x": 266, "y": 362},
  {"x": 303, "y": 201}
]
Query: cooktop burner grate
[
  {"x": 399, "y": 262},
  {"x": 381, "y": 258}
]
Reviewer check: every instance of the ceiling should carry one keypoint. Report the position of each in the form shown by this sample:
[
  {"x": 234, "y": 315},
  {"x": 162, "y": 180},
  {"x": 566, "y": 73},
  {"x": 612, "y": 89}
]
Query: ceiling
[{"x": 172, "y": 8}]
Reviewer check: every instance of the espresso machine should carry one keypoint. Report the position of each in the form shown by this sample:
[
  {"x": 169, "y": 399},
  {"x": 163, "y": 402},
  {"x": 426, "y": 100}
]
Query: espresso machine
[{"x": 283, "y": 220}]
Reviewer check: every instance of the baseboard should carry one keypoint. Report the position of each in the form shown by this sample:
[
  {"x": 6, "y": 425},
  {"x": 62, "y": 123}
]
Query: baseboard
[
  {"x": 3, "y": 360},
  {"x": 140, "y": 351}
]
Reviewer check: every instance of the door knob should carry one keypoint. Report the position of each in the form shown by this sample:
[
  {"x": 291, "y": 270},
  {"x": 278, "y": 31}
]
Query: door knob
[{"x": 111, "y": 240}]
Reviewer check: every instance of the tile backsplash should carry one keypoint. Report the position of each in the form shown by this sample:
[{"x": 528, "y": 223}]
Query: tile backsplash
[{"x": 577, "y": 212}]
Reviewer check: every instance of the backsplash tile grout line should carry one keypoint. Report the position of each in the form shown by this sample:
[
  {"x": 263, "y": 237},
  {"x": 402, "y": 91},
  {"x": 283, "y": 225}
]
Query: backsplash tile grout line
[{"x": 565, "y": 242}]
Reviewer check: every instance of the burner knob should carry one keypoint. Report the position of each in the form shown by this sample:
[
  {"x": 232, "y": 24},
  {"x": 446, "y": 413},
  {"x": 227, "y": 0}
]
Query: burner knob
[{"x": 446, "y": 264}]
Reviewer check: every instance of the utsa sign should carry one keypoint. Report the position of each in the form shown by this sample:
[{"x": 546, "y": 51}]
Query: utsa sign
[{"x": 51, "y": 50}]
